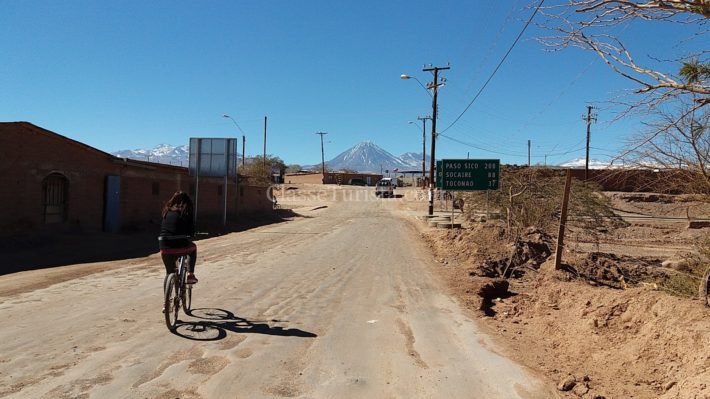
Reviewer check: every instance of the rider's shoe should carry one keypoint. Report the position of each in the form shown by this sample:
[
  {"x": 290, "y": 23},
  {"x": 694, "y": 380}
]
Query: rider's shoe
[{"x": 191, "y": 279}]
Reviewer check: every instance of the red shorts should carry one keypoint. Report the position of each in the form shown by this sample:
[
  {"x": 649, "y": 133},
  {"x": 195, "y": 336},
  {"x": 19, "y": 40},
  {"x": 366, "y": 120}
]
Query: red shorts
[{"x": 180, "y": 251}]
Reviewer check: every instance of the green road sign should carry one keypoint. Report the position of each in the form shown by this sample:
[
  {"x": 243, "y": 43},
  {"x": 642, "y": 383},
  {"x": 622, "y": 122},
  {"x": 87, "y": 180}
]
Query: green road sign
[{"x": 470, "y": 174}]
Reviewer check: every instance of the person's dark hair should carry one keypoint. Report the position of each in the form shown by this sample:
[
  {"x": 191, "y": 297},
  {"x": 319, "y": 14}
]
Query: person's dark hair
[{"x": 180, "y": 202}]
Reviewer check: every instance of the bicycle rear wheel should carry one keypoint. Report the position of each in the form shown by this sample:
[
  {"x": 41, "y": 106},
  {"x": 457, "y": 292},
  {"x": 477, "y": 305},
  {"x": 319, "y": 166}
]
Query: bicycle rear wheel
[
  {"x": 186, "y": 289},
  {"x": 172, "y": 301}
]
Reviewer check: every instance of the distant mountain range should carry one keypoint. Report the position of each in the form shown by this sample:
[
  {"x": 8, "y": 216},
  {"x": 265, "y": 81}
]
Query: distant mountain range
[
  {"x": 363, "y": 157},
  {"x": 163, "y": 153},
  {"x": 368, "y": 157},
  {"x": 593, "y": 164}
]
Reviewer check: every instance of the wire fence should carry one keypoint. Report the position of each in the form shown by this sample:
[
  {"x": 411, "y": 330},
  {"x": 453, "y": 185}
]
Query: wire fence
[
  {"x": 666, "y": 235},
  {"x": 693, "y": 283}
]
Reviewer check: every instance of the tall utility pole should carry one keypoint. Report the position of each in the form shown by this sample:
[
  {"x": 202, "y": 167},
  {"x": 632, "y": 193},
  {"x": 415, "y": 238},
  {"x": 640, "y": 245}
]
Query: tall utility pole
[
  {"x": 434, "y": 86},
  {"x": 322, "y": 153},
  {"x": 423, "y": 119},
  {"x": 528, "y": 153},
  {"x": 264, "y": 142},
  {"x": 244, "y": 155},
  {"x": 589, "y": 118}
]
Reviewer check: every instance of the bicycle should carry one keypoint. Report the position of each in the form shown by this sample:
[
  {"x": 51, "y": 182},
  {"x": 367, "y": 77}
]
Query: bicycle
[{"x": 177, "y": 292}]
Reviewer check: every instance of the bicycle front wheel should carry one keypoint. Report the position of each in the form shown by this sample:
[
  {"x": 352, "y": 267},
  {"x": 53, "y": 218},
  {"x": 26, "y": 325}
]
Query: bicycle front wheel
[
  {"x": 172, "y": 301},
  {"x": 187, "y": 298}
]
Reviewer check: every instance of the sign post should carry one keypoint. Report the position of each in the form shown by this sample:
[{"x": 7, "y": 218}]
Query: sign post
[{"x": 212, "y": 157}]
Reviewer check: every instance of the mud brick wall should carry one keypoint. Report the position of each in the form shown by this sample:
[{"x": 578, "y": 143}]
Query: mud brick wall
[{"x": 29, "y": 154}]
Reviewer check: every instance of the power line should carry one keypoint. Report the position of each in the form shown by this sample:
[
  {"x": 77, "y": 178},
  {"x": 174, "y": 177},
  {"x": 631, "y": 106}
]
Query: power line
[
  {"x": 493, "y": 44},
  {"x": 554, "y": 99},
  {"x": 512, "y": 154},
  {"x": 497, "y": 67},
  {"x": 501, "y": 139}
]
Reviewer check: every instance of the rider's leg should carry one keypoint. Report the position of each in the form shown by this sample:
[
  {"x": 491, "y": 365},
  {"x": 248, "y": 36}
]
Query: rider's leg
[
  {"x": 191, "y": 279},
  {"x": 169, "y": 262},
  {"x": 193, "y": 261}
]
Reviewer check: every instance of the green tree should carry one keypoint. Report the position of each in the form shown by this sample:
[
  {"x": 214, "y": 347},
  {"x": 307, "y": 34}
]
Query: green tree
[{"x": 260, "y": 172}]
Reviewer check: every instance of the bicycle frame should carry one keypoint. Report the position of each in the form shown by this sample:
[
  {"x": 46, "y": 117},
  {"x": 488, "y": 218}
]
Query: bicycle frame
[{"x": 178, "y": 294}]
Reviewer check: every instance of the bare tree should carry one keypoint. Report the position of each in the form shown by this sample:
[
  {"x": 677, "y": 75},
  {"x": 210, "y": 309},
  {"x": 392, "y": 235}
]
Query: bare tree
[
  {"x": 677, "y": 142},
  {"x": 594, "y": 25},
  {"x": 671, "y": 90},
  {"x": 532, "y": 197}
]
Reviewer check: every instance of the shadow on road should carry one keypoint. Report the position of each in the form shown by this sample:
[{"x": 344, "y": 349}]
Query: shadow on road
[
  {"x": 34, "y": 251},
  {"x": 39, "y": 250},
  {"x": 213, "y": 325}
]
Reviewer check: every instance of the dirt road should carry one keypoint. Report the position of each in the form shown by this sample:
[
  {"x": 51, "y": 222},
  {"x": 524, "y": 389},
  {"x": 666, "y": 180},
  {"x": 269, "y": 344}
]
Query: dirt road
[{"x": 338, "y": 304}]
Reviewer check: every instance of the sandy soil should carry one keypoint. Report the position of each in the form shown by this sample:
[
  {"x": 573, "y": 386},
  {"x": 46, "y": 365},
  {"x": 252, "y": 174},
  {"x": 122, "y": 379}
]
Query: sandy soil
[
  {"x": 279, "y": 316},
  {"x": 340, "y": 302},
  {"x": 644, "y": 341}
]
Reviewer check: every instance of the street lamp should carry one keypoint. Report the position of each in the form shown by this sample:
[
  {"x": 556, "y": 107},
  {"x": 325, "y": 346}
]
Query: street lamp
[
  {"x": 233, "y": 121},
  {"x": 407, "y": 77},
  {"x": 423, "y": 119},
  {"x": 243, "y": 136}
]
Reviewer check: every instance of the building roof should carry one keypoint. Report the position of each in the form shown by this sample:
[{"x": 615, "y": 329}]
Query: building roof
[
  {"x": 48, "y": 133},
  {"x": 53, "y": 135}
]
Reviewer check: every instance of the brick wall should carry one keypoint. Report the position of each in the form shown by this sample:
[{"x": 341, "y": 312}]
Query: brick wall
[
  {"x": 29, "y": 154},
  {"x": 331, "y": 178}
]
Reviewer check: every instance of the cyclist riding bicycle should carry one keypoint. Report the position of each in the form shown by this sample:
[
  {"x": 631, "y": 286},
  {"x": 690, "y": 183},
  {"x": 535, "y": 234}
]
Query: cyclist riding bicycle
[{"x": 178, "y": 224}]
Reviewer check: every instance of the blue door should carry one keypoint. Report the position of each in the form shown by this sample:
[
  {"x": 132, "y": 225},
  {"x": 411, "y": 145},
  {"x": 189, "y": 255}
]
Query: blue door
[{"x": 112, "y": 205}]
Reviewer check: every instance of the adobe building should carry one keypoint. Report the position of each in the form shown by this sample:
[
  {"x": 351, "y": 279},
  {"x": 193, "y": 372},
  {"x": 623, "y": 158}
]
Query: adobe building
[
  {"x": 344, "y": 178},
  {"x": 50, "y": 183}
]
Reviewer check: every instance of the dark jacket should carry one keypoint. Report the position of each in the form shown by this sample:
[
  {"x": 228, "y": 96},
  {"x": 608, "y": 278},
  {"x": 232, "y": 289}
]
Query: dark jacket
[{"x": 176, "y": 224}]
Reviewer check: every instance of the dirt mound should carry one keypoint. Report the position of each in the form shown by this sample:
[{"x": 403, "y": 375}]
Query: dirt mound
[
  {"x": 618, "y": 271},
  {"x": 527, "y": 252},
  {"x": 604, "y": 325},
  {"x": 636, "y": 343}
]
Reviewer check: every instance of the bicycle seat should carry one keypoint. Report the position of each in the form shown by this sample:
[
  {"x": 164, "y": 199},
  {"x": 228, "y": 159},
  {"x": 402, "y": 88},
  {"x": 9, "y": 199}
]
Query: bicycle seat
[{"x": 168, "y": 238}]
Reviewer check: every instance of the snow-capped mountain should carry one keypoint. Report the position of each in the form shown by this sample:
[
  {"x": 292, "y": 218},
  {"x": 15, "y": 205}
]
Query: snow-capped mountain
[
  {"x": 414, "y": 160},
  {"x": 163, "y": 153},
  {"x": 368, "y": 157},
  {"x": 363, "y": 157},
  {"x": 593, "y": 164}
]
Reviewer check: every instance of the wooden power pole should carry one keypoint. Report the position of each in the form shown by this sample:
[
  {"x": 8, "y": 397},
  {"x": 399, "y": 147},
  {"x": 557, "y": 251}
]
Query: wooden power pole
[{"x": 322, "y": 153}]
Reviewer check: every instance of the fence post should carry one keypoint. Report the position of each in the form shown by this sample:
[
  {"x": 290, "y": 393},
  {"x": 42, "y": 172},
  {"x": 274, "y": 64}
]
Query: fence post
[{"x": 563, "y": 221}]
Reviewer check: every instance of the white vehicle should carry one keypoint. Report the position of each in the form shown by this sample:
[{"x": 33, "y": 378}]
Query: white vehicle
[{"x": 385, "y": 188}]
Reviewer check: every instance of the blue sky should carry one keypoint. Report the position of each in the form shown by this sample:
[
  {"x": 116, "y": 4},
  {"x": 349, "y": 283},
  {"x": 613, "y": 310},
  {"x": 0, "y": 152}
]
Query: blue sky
[{"x": 135, "y": 74}]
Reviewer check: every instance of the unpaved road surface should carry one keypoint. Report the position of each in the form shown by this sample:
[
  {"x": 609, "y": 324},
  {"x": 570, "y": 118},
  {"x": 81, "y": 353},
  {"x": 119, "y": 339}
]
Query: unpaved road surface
[{"x": 338, "y": 304}]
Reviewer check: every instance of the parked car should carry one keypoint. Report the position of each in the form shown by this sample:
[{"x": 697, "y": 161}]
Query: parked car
[{"x": 384, "y": 188}]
